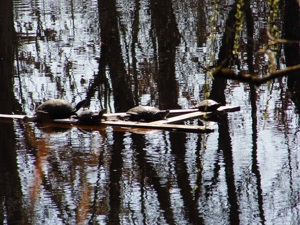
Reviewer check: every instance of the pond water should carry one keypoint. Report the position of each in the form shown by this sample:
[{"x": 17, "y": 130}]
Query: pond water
[{"x": 118, "y": 54}]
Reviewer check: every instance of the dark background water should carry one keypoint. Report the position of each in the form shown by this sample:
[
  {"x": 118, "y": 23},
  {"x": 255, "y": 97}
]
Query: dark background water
[{"x": 118, "y": 54}]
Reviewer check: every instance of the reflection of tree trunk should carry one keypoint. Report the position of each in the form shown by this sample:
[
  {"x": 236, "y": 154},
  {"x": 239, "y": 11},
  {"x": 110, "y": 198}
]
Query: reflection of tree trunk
[
  {"x": 10, "y": 187},
  {"x": 292, "y": 32},
  {"x": 218, "y": 86},
  {"x": 152, "y": 177},
  {"x": 253, "y": 98},
  {"x": 217, "y": 93},
  {"x": 165, "y": 27},
  {"x": 135, "y": 30},
  {"x": 201, "y": 24},
  {"x": 255, "y": 168},
  {"x": 225, "y": 145},
  {"x": 6, "y": 57},
  {"x": 115, "y": 171},
  {"x": 190, "y": 204},
  {"x": 111, "y": 55},
  {"x": 292, "y": 51}
]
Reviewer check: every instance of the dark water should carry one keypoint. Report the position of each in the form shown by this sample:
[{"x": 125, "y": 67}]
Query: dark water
[{"x": 118, "y": 54}]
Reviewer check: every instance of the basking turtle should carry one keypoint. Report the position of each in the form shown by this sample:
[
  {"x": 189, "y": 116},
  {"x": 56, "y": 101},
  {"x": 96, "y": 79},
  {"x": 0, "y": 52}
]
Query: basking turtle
[
  {"x": 146, "y": 113},
  {"x": 54, "y": 109},
  {"x": 207, "y": 105},
  {"x": 90, "y": 117}
]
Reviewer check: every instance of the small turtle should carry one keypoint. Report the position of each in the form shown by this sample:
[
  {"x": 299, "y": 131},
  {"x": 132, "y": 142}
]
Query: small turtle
[
  {"x": 90, "y": 117},
  {"x": 146, "y": 113},
  {"x": 207, "y": 105},
  {"x": 54, "y": 109}
]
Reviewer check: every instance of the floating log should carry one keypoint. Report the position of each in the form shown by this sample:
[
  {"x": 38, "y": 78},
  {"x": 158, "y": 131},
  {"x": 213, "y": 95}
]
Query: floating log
[
  {"x": 196, "y": 113},
  {"x": 173, "y": 127},
  {"x": 180, "y": 115},
  {"x": 175, "y": 112},
  {"x": 172, "y": 112},
  {"x": 12, "y": 116}
]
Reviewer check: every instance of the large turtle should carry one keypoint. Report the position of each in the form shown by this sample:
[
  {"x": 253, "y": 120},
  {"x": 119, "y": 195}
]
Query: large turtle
[
  {"x": 54, "y": 109},
  {"x": 207, "y": 105},
  {"x": 146, "y": 113},
  {"x": 90, "y": 117}
]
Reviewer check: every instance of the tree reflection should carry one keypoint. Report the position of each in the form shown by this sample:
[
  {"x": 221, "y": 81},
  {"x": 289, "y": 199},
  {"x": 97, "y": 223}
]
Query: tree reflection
[
  {"x": 111, "y": 56},
  {"x": 150, "y": 177},
  {"x": 190, "y": 202},
  {"x": 168, "y": 38},
  {"x": 217, "y": 93},
  {"x": 292, "y": 51},
  {"x": 11, "y": 203}
]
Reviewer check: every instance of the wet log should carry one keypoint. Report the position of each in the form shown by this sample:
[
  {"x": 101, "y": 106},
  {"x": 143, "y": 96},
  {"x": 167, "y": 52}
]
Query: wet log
[
  {"x": 173, "y": 112},
  {"x": 177, "y": 115},
  {"x": 120, "y": 123},
  {"x": 195, "y": 114},
  {"x": 173, "y": 127},
  {"x": 7, "y": 116}
]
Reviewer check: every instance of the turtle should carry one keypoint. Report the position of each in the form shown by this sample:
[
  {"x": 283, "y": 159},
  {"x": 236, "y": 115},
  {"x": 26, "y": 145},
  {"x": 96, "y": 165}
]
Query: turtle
[
  {"x": 146, "y": 113},
  {"x": 207, "y": 105},
  {"x": 90, "y": 117},
  {"x": 54, "y": 109}
]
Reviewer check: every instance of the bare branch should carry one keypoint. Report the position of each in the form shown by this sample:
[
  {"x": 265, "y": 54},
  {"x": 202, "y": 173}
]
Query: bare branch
[{"x": 227, "y": 73}]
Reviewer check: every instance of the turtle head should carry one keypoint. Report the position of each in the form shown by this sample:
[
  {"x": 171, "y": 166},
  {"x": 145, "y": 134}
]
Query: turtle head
[
  {"x": 162, "y": 114},
  {"x": 80, "y": 105},
  {"x": 101, "y": 112},
  {"x": 167, "y": 112}
]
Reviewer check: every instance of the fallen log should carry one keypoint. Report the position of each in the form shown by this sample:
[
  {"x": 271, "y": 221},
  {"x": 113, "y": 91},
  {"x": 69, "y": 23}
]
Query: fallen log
[
  {"x": 173, "y": 112},
  {"x": 178, "y": 115},
  {"x": 12, "y": 116},
  {"x": 194, "y": 114},
  {"x": 120, "y": 123},
  {"x": 173, "y": 127}
]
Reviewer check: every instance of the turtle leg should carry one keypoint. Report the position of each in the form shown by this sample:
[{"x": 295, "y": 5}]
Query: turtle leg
[
  {"x": 42, "y": 116},
  {"x": 28, "y": 119}
]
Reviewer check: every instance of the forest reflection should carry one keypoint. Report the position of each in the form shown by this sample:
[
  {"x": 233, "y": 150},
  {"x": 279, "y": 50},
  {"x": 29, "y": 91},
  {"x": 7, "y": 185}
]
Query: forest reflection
[{"x": 118, "y": 54}]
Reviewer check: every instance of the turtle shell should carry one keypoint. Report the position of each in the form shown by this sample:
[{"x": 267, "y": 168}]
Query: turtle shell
[
  {"x": 146, "y": 113},
  {"x": 207, "y": 105},
  {"x": 57, "y": 109}
]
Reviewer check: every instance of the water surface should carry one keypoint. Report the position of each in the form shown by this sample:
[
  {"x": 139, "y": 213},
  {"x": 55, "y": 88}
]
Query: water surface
[{"x": 118, "y": 54}]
